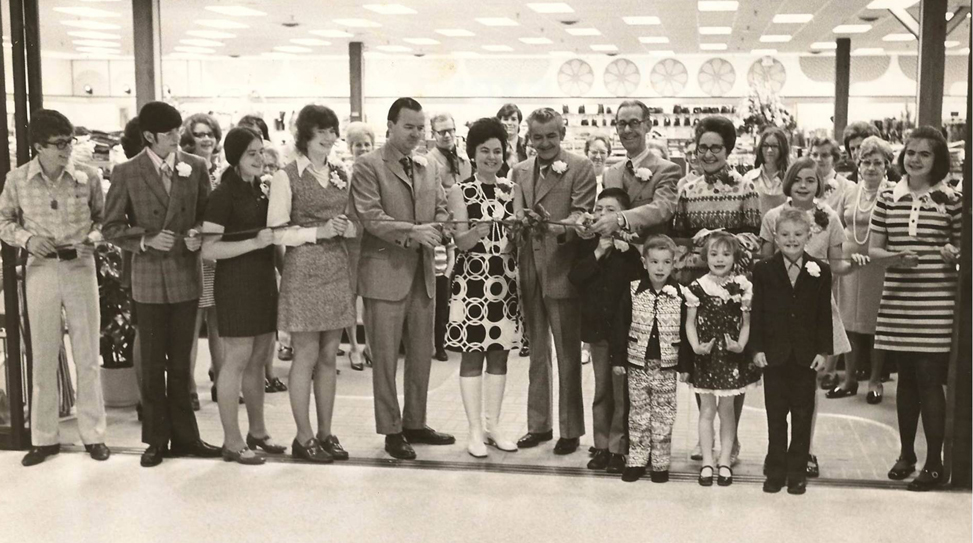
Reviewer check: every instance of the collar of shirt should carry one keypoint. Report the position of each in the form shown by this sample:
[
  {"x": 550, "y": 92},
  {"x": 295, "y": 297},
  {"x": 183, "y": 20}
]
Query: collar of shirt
[
  {"x": 303, "y": 163},
  {"x": 799, "y": 263},
  {"x": 638, "y": 159},
  {"x": 902, "y": 189},
  {"x": 157, "y": 160},
  {"x": 34, "y": 169},
  {"x": 646, "y": 284}
]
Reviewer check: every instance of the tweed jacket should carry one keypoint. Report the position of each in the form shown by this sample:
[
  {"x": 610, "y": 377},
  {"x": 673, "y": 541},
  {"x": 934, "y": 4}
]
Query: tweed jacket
[
  {"x": 654, "y": 200},
  {"x": 381, "y": 191},
  {"x": 137, "y": 204},
  {"x": 566, "y": 196}
]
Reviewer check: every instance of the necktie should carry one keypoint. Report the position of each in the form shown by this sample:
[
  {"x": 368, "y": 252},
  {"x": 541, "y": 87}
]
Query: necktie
[
  {"x": 407, "y": 166},
  {"x": 166, "y": 174},
  {"x": 793, "y": 270},
  {"x": 453, "y": 161},
  {"x": 629, "y": 167}
]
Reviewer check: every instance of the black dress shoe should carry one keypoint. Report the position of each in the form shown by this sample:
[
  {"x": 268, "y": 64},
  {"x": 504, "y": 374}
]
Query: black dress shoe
[
  {"x": 266, "y": 444},
  {"x": 838, "y": 392},
  {"x": 616, "y": 464},
  {"x": 532, "y": 440},
  {"x": 285, "y": 354},
  {"x": 398, "y": 447},
  {"x": 331, "y": 446},
  {"x": 566, "y": 445},
  {"x": 705, "y": 480},
  {"x": 903, "y": 468},
  {"x": 194, "y": 399},
  {"x": 199, "y": 449},
  {"x": 829, "y": 381},
  {"x": 441, "y": 355},
  {"x": 720, "y": 479},
  {"x": 632, "y": 474},
  {"x": 813, "y": 470},
  {"x": 659, "y": 476},
  {"x": 797, "y": 487},
  {"x": 875, "y": 397},
  {"x": 599, "y": 460},
  {"x": 311, "y": 451},
  {"x": 427, "y": 436},
  {"x": 36, "y": 455},
  {"x": 152, "y": 456},
  {"x": 773, "y": 486},
  {"x": 98, "y": 451},
  {"x": 928, "y": 479}
]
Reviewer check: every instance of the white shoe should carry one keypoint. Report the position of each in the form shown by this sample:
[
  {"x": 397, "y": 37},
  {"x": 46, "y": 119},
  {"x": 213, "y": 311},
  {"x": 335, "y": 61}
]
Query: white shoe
[
  {"x": 494, "y": 399},
  {"x": 471, "y": 390},
  {"x": 585, "y": 355}
]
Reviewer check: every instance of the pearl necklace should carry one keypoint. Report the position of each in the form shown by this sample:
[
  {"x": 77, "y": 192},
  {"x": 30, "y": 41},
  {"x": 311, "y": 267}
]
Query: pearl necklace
[{"x": 860, "y": 209}]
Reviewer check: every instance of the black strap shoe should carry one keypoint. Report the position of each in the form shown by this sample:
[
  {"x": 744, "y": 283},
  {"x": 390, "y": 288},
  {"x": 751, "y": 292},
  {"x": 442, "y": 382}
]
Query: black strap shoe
[
  {"x": 36, "y": 455},
  {"x": 532, "y": 439},
  {"x": 928, "y": 479},
  {"x": 310, "y": 451},
  {"x": 903, "y": 468},
  {"x": 566, "y": 445},
  {"x": 98, "y": 451},
  {"x": 331, "y": 445},
  {"x": 398, "y": 447}
]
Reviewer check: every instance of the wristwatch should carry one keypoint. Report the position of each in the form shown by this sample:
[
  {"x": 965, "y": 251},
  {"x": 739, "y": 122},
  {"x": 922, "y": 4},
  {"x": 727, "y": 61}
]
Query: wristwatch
[{"x": 620, "y": 220}]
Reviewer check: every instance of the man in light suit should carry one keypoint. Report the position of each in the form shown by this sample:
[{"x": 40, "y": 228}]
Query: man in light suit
[
  {"x": 563, "y": 184},
  {"x": 395, "y": 273},
  {"x": 154, "y": 206},
  {"x": 649, "y": 180}
]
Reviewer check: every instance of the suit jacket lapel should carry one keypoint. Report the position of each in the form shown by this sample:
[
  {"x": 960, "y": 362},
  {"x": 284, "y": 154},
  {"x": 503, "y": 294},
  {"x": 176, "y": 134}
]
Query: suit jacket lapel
[
  {"x": 780, "y": 267},
  {"x": 545, "y": 184},
  {"x": 178, "y": 190},
  {"x": 527, "y": 185},
  {"x": 152, "y": 178},
  {"x": 648, "y": 162},
  {"x": 396, "y": 168}
]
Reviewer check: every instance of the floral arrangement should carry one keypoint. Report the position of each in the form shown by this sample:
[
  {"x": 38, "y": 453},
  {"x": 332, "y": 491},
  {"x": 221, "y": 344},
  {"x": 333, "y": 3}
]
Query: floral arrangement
[
  {"x": 763, "y": 108},
  {"x": 505, "y": 190},
  {"x": 117, "y": 332}
]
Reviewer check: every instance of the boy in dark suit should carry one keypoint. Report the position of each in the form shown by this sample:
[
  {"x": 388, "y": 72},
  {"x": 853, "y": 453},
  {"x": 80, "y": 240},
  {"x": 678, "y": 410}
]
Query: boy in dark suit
[{"x": 790, "y": 337}]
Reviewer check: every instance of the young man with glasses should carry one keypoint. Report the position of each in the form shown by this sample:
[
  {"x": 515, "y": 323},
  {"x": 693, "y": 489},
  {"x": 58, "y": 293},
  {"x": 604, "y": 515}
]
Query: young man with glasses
[{"x": 53, "y": 207}]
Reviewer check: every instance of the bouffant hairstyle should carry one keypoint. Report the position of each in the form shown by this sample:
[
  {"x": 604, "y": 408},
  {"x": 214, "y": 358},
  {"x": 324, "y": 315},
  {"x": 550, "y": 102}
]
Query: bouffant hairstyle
[
  {"x": 482, "y": 131},
  {"x": 660, "y": 242},
  {"x": 783, "y": 148},
  {"x": 722, "y": 239},
  {"x": 720, "y": 125},
  {"x": 188, "y": 143},
  {"x": 859, "y": 129},
  {"x": 510, "y": 110},
  {"x": 876, "y": 145},
  {"x": 313, "y": 117},
  {"x": 791, "y": 176},
  {"x": 940, "y": 166}
]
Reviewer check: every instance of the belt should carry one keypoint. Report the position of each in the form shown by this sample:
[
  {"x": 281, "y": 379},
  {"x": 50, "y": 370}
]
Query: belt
[{"x": 63, "y": 254}]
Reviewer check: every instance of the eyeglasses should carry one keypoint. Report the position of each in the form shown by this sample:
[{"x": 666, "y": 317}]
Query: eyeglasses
[
  {"x": 201, "y": 135},
  {"x": 634, "y": 124},
  {"x": 445, "y": 132},
  {"x": 61, "y": 144},
  {"x": 878, "y": 164},
  {"x": 714, "y": 149},
  {"x": 773, "y": 146}
]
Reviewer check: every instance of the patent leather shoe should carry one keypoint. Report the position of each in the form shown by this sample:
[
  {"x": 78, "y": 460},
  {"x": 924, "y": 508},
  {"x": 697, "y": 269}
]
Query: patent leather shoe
[
  {"x": 532, "y": 439},
  {"x": 398, "y": 447},
  {"x": 616, "y": 464},
  {"x": 903, "y": 468},
  {"x": 813, "y": 470},
  {"x": 724, "y": 480},
  {"x": 244, "y": 456},
  {"x": 705, "y": 480},
  {"x": 838, "y": 392},
  {"x": 199, "y": 449},
  {"x": 427, "y": 436},
  {"x": 928, "y": 479},
  {"x": 875, "y": 396},
  {"x": 310, "y": 451},
  {"x": 566, "y": 445},
  {"x": 36, "y": 455},
  {"x": 152, "y": 456},
  {"x": 98, "y": 451},
  {"x": 331, "y": 446}
]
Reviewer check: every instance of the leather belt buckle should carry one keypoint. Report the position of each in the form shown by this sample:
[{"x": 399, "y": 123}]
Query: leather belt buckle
[{"x": 66, "y": 254}]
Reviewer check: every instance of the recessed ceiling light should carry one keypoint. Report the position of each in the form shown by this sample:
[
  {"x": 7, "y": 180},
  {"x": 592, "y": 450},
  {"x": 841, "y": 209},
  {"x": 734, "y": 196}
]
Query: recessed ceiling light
[
  {"x": 99, "y": 50},
  {"x": 824, "y": 45},
  {"x": 357, "y": 23},
  {"x": 497, "y": 21},
  {"x": 653, "y": 39},
  {"x": 583, "y": 31},
  {"x": 455, "y": 32},
  {"x": 536, "y": 41},
  {"x": 642, "y": 20},
  {"x": 310, "y": 42},
  {"x": 221, "y": 23},
  {"x": 851, "y": 29},
  {"x": 950, "y": 43},
  {"x": 332, "y": 33},
  {"x": 775, "y": 38},
  {"x": 604, "y": 47},
  {"x": 792, "y": 18},
  {"x": 88, "y": 12},
  {"x": 293, "y": 49},
  {"x": 891, "y": 4},
  {"x": 713, "y": 46},
  {"x": 498, "y": 48},
  {"x": 662, "y": 53},
  {"x": 236, "y": 11},
  {"x": 763, "y": 52},
  {"x": 715, "y": 30},
  {"x": 97, "y": 43},
  {"x": 904, "y": 36},
  {"x": 394, "y": 48},
  {"x": 868, "y": 51},
  {"x": 390, "y": 9},
  {"x": 92, "y": 35},
  {"x": 91, "y": 25},
  {"x": 717, "y": 5},
  {"x": 200, "y": 42},
  {"x": 550, "y": 7},
  {"x": 421, "y": 41},
  {"x": 197, "y": 50}
]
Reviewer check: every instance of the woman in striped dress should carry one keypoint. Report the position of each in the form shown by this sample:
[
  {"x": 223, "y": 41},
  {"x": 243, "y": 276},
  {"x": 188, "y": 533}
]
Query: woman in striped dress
[{"x": 916, "y": 228}]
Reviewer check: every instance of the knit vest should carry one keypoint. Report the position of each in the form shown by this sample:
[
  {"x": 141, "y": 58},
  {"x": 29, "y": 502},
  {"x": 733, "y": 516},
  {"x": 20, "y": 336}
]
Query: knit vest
[{"x": 665, "y": 311}]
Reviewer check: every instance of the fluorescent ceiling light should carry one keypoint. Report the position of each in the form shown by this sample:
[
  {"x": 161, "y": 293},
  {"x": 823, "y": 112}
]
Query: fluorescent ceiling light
[
  {"x": 97, "y": 43},
  {"x": 904, "y": 36},
  {"x": 851, "y": 29},
  {"x": 310, "y": 42},
  {"x": 824, "y": 45},
  {"x": 663, "y": 53},
  {"x": 763, "y": 52},
  {"x": 88, "y": 12},
  {"x": 332, "y": 33},
  {"x": 92, "y": 35},
  {"x": 390, "y": 9},
  {"x": 197, "y": 50},
  {"x": 421, "y": 41},
  {"x": 99, "y": 50},
  {"x": 497, "y": 21},
  {"x": 293, "y": 49},
  {"x": 394, "y": 48},
  {"x": 713, "y": 46},
  {"x": 891, "y": 4},
  {"x": 604, "y": 47},
  {"x": 775, "y": 38},
  {"x": 715, "y": 30},
  {"x": 200, "y": 42},
  {"x": 792, "y": 18},
  {"x": 868, "y": 51},
  {"x": 948, "y": 44},
  {"x": 536, "y": 41},
  {"x": 642, "y": 20},
  {"x": 236, "y": 11},
  {"x": 653, "y": 39},
  {"x": 357, "y": 23},
  {"x": 717, "y": 5},
  {"x": 221, "y": 24},
  {"x": 550, "y": 7},
  {"x": 561, "y": 53},
  {"x": 583, "y": 31},
  {"x": 91, "y": 25},
  {"x": 498, "y": 48},
  {"x": 455, "y": 32}
]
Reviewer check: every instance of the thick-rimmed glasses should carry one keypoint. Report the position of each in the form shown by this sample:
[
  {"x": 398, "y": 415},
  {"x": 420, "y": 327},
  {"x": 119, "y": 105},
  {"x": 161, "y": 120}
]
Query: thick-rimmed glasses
[
  {"x": 634, "y": 124},
  {"x": 61, "y": 144},
  {"x": 715, "y": 149}
]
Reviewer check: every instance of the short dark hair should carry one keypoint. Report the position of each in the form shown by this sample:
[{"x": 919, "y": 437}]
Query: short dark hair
[
  {"x": 859, "y": 129},
  {"x": 313, "y": 117},
  {"x": 597, "y": 137},
  {"x": 46, "y": 124},
  {"x": 238, "y": 139},
  {"x": 659, "y": 242},
  {"x": 720, "y": 238},
  {"x": 783, "y": 151},
  {"x": 940, "y": 149},
  {"x": 188, "y": 142},
  {"x": 545, "y": 115},
  {"x": 619, "y": 194},
  {"x": 634, "y": 103},
  {"x": 132, "y": 142},
  {"x": 508, "y": 110},
  {"x": 803, "y": 163},
  {"x": 255, "y": 122},
  {"x": 484, "y": 130},
  {"x": 821, "y": 141},
  {"x": 720, "y": 125},
  {"x": 399, "y": 105}
]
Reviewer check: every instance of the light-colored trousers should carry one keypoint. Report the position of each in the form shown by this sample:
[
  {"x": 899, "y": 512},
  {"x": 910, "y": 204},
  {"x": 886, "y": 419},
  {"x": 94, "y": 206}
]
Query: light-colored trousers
[{"x": 73, "y": 285}]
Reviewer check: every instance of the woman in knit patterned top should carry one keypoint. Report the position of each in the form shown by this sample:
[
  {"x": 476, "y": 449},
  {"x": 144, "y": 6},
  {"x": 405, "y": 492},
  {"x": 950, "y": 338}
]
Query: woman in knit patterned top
[{"x": 916, "y": 228}]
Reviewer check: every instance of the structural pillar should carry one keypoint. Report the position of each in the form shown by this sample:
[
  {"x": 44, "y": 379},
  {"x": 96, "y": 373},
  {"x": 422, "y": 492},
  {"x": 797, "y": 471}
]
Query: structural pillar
[
  {"x": 932, "y": 63},
  {"x": 356, "y": 73},
  {"x": 32, "y": 39},
  {"x": 147, "y": 42},
  {"x": 842, "y": 83}
]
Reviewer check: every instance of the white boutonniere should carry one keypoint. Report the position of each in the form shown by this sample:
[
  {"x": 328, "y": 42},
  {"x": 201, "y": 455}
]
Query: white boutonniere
[
  {"x": 830, "y": 188},
  {"x": 505, "y": 191},
  {"x": 559, "y": 167},
  {"x": 813, "y": 269},
  {"x": 620, "y": 245},
  {"x": 644, "y": 174},
  {"x": 336, "y": 179},
  {"x": 265, "y": 184},
  {"x": 670, "y": 290},
  {"x": 81, "y": 177},
  {"x": 184, "y": 169},
  {"x": 420, "y": 161}
]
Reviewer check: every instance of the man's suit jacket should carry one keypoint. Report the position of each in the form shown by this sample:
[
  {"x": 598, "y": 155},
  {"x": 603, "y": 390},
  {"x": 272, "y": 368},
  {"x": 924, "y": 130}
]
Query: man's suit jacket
[
  {"x": 137, "y": 204},
  {"x": 566, "y": 196},
  {"x": 381, "y": 191},
  {"x": 790, "y": 322},
  {"x": 653, "y": 201},
  {"x": 462, "y": 162}
]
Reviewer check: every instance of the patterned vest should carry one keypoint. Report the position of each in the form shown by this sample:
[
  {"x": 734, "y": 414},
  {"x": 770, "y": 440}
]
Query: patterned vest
[{"x": 663, "y": 310}]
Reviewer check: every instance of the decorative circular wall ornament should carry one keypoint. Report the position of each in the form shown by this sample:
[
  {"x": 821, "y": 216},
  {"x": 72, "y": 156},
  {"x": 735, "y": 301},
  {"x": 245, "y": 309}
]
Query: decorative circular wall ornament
[
  {"x": 769, "y": 73},
  {"x": 575, "y": 77},
  {"x": 669, "y": 77},
  {"x": 716, "y": 77},
  {"x": 622, "y": 77}
]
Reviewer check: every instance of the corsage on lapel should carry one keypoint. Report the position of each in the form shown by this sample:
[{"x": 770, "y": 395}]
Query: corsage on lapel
[
  {"x": 420, "y": 161},
  {"x": 670, "y": 291},
  {"x": 265, "y": 184},
  {"x": 81, "y": 177},
  {"x": 337, "y": 177},
  {"x": 643, "y": 174},
  {"x": 184, "y": 169},
  {"x": 812, "y": 268},
  {"x": 821, "y": 217}
]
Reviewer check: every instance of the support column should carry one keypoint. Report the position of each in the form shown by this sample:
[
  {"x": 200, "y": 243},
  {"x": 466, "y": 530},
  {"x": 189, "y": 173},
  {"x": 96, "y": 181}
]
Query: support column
[
  {"x": 842, "y": 83},
  {"x": 932, "y": 62},
  {"x": 147, "y": 42},
  {"x": 356, "y": 73},
  {"x": 32, "y": 38},
  {"x": 19, "y": 53}
]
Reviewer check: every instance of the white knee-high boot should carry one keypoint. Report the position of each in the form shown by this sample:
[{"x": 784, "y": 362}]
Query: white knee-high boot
[
  {"x": 494, "y": 398},
  {"x": 471, "y": 388}
]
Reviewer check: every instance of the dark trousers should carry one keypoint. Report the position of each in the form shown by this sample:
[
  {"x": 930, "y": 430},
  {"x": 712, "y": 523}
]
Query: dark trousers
[
  {"x": 167, "y": 334},
  {"x": 442, "y": 310},
  {"x": 789, "y": 388}
]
